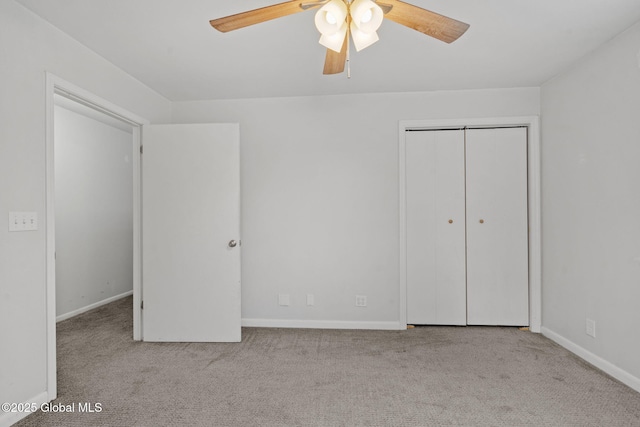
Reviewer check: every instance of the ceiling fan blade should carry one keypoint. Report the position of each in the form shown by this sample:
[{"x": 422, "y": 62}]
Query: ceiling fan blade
[
  {"x": 256, "y": 16},
  {"x": 334, "y": 62},
  {"x": 425, "y": 21}
]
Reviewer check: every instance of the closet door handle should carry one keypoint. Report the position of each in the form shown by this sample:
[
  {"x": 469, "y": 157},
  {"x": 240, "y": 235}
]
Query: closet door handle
[
  {"x": 450, "y": 221},
  {"x": 482, "y": 221}
]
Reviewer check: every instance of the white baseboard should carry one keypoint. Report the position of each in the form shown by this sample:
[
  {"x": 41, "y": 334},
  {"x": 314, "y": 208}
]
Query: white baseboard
[
  {"x": 319, "y": 324},
  {"x": 92, "y": 306},
  {"x": 9, "y": 418},
  {"x": 597, "y": 361}
]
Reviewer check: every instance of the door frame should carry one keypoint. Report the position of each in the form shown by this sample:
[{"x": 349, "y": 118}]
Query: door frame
[
  {"x": 55, "y": 85},
  {"x": 532, "y": 123}
]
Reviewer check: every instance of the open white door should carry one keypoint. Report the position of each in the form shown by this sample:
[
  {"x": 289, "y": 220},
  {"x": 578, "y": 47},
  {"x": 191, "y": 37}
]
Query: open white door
[{"x": 191, "y": 233}]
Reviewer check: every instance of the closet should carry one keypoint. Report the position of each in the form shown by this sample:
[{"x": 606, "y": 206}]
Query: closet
[{"x": 467, "y": 227}]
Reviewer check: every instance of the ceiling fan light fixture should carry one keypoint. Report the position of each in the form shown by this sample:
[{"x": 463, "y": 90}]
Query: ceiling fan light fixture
[
  {"x": 366, "y": 15},
  {"x": 336, "y": 40},
  {"x": 331, "y": 17},
  {"x": 361, "y": 39},
  {"x": 336, "y": 19}
]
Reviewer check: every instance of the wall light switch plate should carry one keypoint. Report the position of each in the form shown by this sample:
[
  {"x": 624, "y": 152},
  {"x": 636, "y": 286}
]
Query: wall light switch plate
[{"x": 23, "y": 221}]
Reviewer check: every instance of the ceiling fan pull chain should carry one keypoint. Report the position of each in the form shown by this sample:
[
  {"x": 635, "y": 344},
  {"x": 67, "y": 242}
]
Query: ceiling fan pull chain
[{"x": 348, "y": 58}]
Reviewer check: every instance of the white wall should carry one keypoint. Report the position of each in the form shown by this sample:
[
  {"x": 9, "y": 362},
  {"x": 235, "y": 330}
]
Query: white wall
[
  {"x": 320, "y": 196},
  {"x": 28, "y": 48},
  {"x": 94, "y": 211},
  {"x": 591, "y": 204}
]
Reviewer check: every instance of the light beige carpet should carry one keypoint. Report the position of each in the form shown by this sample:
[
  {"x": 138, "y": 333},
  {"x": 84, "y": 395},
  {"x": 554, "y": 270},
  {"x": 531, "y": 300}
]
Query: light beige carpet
[{"x": 428, "y": 376}]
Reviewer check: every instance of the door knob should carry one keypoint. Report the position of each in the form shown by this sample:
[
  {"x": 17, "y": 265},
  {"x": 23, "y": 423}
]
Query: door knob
[
  {"x": 450, "y": 221},
  {"x": 232, "y": 243},
  {"x": 482, "y": 221}
]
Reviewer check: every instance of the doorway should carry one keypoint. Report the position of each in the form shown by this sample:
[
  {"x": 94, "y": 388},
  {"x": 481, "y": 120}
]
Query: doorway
[
  {"x": 56, "y": 86},
  {"x": 93, "y": 208}
]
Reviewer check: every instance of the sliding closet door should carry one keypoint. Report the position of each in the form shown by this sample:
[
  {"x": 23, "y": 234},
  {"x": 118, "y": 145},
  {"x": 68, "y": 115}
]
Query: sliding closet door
[
  {"x": 497, "y": 247},
  {"x": 435, "y": 221}
]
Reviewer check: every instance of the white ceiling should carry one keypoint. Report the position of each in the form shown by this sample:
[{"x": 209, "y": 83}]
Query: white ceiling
[{"x": 170, "y": 46}]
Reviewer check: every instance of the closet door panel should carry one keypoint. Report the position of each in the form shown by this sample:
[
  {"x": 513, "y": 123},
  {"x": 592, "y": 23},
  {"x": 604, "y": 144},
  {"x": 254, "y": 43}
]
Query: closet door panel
[
  {"x": 435, "y": 227},
  {"x": 497, "y": 227}
]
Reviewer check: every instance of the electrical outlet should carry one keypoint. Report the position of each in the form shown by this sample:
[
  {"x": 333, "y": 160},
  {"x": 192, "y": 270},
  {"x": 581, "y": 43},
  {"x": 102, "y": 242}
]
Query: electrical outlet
[
  {"x": 284, "y": 299},
  {"x": 591, "y": 328},
  {"x": 310, "y": 300},
  {"x": 361, "y": 301}
]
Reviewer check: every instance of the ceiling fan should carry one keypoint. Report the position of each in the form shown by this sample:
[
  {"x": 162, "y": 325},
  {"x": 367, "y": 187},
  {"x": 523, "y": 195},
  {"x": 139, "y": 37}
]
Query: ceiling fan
[{"x": 338, "y": 19}]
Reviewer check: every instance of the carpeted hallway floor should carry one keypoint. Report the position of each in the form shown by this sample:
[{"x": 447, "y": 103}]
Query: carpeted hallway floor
[{"x": 427, "y": 376}]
